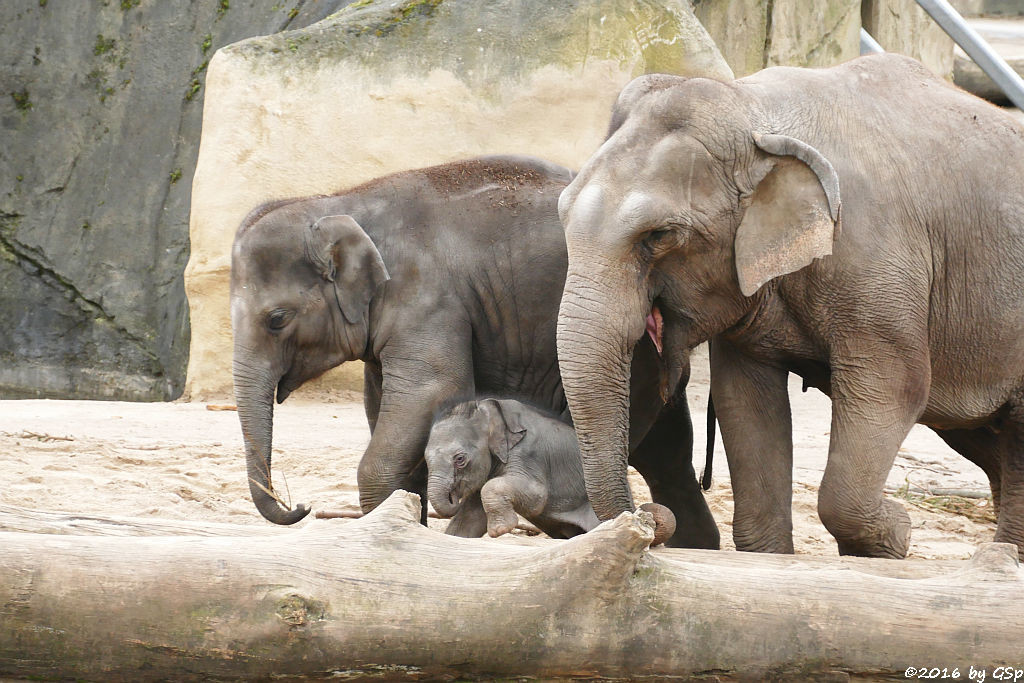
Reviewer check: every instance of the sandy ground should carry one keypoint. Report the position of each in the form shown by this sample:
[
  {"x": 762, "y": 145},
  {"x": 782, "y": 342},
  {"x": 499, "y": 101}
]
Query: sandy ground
[{"x": 184, "y": 461}]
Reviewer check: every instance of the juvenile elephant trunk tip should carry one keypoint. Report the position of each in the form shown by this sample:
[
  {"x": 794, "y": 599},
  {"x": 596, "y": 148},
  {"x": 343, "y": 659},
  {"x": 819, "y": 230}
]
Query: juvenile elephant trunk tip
[
  {"x": 273, "y": 508},
  {"x": 270, "y": 504}
]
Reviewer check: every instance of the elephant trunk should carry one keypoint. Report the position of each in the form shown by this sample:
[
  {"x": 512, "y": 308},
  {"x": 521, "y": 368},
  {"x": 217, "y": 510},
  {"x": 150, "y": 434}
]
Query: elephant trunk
[
  {"x": 254, "y": 394},
  {"x": 441, "y": 494},
  {"x": 597, "y": 330}
]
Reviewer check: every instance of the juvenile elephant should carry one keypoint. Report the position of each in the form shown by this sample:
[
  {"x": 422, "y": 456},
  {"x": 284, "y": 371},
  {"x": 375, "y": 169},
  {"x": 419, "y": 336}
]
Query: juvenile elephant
[
  {"x": 445, "y": 281},
  {"x": 861, "y": 226},
  {"x": 515, "y": 459}
]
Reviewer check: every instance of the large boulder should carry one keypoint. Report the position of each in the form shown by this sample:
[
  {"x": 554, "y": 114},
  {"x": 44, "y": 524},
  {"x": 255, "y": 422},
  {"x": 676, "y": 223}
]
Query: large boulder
[
  {"x": 100, "y": 111},
  {"x": 383, "y": 86}
]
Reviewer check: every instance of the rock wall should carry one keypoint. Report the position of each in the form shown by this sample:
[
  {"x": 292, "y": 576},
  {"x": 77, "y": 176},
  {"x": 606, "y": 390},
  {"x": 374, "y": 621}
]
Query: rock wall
[
  {"x": 754, "y": 34},
  {"x": 902, "y": 26},
  {"x": 100, "y": 112},
  {"x": 989, "y": 8},
  {"x": 384, "y": 86}
]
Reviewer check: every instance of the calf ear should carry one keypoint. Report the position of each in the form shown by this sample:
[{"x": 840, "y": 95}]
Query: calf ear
[
  {"x": 504, "y": 430},
  {"x": 793, "y": 215},
  {"x": 340, "y": 249}
]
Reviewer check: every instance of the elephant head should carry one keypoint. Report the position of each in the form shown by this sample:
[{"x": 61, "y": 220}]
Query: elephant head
[
  {"x": 690, "y": 206},
  {"x": 301, "y": 287},
  {"x": 462, "y": 449}
]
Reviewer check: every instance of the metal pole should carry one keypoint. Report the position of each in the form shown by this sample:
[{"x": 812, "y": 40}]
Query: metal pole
[
  {"x": 976, "y": 48},
  {"x": 868, "y": 44}
]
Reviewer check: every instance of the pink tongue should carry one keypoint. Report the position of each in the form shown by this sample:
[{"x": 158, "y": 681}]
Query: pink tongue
[{"x": 654, "y": 328}]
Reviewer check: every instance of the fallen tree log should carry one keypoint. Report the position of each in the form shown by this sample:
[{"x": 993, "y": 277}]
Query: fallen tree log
[
  {"x": 385, "y": 596},
  {"x": 27, "y": 520}
]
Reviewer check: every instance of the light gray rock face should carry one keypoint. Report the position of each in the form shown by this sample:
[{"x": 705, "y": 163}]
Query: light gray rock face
[
  {"x": 100, "y": 112},
  {"x": 753, "y": 34},
  {"x": 989, "y": 8},
  {"x": 902, "y": 26}
]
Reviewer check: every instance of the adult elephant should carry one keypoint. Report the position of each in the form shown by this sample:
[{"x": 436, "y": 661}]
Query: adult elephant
[
  {"x": 713, "y": 208},
  {"x": 445, "y": 282}
]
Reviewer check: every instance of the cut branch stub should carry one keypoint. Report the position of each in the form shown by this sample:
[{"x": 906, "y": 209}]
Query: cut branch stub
[{"x": 993, "y": 562}]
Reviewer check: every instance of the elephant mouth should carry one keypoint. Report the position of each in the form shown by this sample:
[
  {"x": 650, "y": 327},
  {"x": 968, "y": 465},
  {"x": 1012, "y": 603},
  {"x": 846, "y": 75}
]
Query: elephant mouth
[
  {"x": 284, "y": 389},
  {"x": 656, "y": 327},
  {"x": 455, "y": 496}
]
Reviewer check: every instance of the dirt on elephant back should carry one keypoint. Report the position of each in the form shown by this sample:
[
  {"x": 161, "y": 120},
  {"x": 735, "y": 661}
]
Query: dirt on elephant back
[
  {"x": 450, "y": 178},
  {"x": 185, "y": 461}
]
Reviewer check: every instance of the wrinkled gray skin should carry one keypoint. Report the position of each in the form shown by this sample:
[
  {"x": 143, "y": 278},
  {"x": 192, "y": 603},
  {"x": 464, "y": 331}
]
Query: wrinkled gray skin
[
  {"x": 446, "y": 282},
  {"x": 515, "y": 460},
  {"x": 717, "y": 204}
]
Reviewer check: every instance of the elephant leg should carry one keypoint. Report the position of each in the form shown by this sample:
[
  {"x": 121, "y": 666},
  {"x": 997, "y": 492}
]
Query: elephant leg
[
  {"x": 1010, "y": 520},
  {"x": 752, "y": 406},
  {"x": 372, "y": 387},
  {"x": 416, "y": 482},
  {"x": 875, "y": 402},
  {"x": 415, "y": 380},
  {"x": 470, "y": 520},
  {"x": 503, "y": 497},
  {"x": 999, "y": 452},
  {"x": 982, "y": 447},
  {"x": 665, "y": 460}
]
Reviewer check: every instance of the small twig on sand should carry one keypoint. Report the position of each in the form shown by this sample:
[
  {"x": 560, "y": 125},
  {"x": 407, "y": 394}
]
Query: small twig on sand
[
  {"x": 974, "y": 505},
  {"x": 961, "y": 493},
  {"x": 45, "y": 438}
]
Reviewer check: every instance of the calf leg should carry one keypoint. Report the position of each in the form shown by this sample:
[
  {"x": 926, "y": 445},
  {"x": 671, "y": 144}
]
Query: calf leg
[
  {"x": 503, "y": 497},
  {"x": 414, "y": 382},
  {"x": 470, "y": 520}
]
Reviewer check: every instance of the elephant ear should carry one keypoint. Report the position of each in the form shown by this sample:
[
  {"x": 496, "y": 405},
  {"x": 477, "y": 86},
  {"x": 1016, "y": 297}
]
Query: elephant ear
[
  {"x": 504, "y": 429},
  {"x": 340, "y": 249},
  {"x": 793, "y": 216}
]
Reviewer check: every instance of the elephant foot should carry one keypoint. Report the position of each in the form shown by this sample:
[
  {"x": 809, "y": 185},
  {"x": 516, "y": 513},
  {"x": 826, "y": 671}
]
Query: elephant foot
[
  {"x": 887, "y": 535},
  {"x": 501, "y": 523},
  {"x": 1007, "y": 536},
  {"x": 664, "y": 522},
  {"x": 1010, "y": 527}
]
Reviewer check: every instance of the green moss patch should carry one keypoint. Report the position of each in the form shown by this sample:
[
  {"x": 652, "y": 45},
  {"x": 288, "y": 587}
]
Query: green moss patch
[{"x": 22, "y": 100}]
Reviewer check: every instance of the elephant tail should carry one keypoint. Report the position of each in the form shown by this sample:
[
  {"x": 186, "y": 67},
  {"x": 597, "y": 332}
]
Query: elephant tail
[{"x": 705, "y": 476}]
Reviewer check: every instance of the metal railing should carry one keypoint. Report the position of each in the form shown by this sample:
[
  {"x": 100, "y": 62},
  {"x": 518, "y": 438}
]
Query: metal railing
[{"x": 973, "y": 44}]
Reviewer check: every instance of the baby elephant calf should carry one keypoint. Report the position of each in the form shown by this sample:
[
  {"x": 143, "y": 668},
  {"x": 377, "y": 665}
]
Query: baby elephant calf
[{"x": 495, "y": 458}]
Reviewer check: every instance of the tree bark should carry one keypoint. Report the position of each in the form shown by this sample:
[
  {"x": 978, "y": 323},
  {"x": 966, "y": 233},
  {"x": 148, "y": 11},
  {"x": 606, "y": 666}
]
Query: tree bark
[{"x": 384, "y": 596}]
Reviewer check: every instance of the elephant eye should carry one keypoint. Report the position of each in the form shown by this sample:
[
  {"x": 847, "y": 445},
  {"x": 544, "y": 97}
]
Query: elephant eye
[
  {"x": 459, "y": 461},
  {"x": 660, "y": 238},
  {"x": 278, "y": 319},
  {"x": 668, "y": 236}
]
